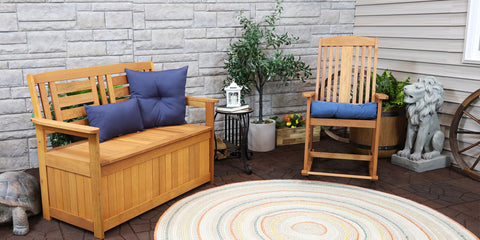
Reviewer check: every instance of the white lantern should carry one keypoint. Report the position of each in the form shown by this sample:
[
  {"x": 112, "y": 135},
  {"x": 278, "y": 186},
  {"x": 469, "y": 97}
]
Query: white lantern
[{"x": 233, "y": 95}]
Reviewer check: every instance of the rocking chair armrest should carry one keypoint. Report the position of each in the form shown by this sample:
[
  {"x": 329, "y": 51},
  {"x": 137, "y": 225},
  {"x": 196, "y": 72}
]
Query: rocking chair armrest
[
  {"x": 308, "y": 94},
  {"x": 381, "y": 96}
]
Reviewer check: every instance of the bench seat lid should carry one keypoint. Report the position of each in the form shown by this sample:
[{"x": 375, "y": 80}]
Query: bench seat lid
[{"x": 126, "y": 146}]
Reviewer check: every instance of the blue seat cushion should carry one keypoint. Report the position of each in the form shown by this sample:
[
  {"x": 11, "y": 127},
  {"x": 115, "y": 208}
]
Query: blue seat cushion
[
  {"x": 160, "y": 94},
  {"x": 115, "y": 119},
  {"x": 322, "y": 109}
]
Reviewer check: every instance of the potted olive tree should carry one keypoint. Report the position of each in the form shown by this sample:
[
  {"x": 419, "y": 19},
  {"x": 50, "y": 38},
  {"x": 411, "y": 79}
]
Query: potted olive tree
[
  {"x": 256, "y": 58},
  {"x": 393, "y": 123}
]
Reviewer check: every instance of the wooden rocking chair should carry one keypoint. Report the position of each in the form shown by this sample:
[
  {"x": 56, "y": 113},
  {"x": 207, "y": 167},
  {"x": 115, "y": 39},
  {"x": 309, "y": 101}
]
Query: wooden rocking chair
[{"x": 347, "y": 81}]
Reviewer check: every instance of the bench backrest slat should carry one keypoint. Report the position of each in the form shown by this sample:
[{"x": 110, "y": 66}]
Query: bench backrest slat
[{"x": 64, "y": 92}]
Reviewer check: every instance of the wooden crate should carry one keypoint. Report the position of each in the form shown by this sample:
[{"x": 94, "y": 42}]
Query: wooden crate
[{"x": 290, "y": 136}]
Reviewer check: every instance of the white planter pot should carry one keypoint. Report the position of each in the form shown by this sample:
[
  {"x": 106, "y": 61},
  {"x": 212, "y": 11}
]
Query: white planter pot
[{"x": 261, "y": 137}]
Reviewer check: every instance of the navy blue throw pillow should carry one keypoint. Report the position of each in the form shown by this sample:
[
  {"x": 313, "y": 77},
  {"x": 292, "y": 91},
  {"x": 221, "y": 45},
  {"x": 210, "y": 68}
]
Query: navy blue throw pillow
[
  {"x": 115, "y": 119},
  {"x": 160, "y": 94},
  {"x": 322, "y": 109}
]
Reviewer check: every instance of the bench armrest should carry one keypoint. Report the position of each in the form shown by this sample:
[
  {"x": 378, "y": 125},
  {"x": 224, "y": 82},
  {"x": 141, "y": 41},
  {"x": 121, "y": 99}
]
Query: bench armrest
[
  {"x": 67, "y": 128},
  {"x": 208, "y": 104},
  {"x": 200, "y": 101}
]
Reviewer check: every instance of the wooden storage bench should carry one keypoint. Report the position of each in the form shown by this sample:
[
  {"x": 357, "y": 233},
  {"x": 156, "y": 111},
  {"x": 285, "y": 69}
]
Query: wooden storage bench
[{"x": 97, "y": 186}]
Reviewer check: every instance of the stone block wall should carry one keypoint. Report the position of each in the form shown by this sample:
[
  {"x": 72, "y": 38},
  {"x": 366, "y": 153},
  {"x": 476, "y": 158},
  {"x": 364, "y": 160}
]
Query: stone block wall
[{"x": 38, "y": 36}]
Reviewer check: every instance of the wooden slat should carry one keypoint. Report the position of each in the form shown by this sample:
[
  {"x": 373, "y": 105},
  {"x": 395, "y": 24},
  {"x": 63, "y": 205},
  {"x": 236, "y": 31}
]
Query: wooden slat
[
  {"x": 78, "y": 73},
  {"x": 335, "y": 85},
  {"x": 70, "y": 161},
  {"x": 339, "y": 175},
  {"x": 346, "y": 74},
  {"x": 82, "y": 207},
  {"x": 321, "y": 81},
  {"x": 343, "y": 122},
  {"x": 111, "y": 90},
  {"x": 75, "y": 86},
  {"x": 368, "y": 83},
  {"x": 355, "y": 157},
  {"x": 58, "y": 189},
  {"x": 55, "y": 102},
  {"x": 78, "y": 99},
  {"x": 149, "y": 191},
  {"x": 355, "y": 75},
  {"x": 329, "y": 76},
  {"x": 135, "y": 183},
  {"x": 72, "y": 113},
  {"x": 67, "y": 217},
  {"x": 121, "y": 92},
  {"x": 119, "y": 80},
  {"x": 142, "y": 195},
  {"x": 101, "y": 88},
  {"x": 345, "y": 41},
  {"x": 127, "y": 174}
]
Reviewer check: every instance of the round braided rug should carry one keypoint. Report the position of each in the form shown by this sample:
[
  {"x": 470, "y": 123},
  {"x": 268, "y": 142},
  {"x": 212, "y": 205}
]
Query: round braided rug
[{"x": 295, "y": 209}]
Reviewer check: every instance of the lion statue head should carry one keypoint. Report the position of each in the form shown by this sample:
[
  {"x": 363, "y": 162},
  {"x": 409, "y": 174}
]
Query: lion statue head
[{"x": 423, "y": 99}]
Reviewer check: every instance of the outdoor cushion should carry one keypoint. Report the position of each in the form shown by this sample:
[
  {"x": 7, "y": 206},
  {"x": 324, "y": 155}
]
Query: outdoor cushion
[
  {"x": 322, "y": 109},
  {"x": 115, "y": 119},
  {"x": 160, "y": 94}
]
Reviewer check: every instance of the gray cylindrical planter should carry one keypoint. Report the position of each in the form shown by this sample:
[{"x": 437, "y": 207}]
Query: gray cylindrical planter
[{"x": 261, "y": 137}]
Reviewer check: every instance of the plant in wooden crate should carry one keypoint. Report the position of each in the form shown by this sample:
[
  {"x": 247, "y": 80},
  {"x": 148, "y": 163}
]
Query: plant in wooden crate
[
  {"x": 393, "y": 123},
  {"x": 291, "y": 130},
  {"x": 258, "y": 57}
]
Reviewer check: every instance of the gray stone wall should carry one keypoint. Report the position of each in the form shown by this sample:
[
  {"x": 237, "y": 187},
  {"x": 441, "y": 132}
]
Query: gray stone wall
[{"x": 38, "y": 36}]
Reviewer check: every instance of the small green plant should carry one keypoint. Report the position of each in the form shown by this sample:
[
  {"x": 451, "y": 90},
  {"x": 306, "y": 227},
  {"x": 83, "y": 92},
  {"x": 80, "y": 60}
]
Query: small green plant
[
  {"x": 257, "y": 57},
  {"x": 388, "y": 84}
]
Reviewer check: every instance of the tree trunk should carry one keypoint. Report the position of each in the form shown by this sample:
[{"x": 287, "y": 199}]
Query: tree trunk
[{"x": 260, "y": 105}]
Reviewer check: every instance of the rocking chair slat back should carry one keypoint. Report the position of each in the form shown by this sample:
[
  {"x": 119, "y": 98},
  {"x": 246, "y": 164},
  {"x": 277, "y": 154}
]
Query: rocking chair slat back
[{"x": 346, "y": 70}]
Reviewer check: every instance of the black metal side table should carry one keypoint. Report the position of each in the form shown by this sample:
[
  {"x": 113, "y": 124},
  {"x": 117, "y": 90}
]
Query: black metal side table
[{"x": 236, "y": 134}]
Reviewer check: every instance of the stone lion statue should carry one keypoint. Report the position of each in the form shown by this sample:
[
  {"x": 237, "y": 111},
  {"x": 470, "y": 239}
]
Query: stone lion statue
[{"x": 423, "y": 99}]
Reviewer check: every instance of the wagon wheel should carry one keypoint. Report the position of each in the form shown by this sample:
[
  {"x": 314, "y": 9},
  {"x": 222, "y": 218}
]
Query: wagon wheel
[{"x": 465, "y": 135}]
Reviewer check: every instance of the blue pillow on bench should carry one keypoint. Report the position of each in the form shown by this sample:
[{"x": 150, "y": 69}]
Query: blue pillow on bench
[
  {"x": 160, "y": 94},
  {"x": 115, "y": 119},
  {"x": 322, "y": 109}
]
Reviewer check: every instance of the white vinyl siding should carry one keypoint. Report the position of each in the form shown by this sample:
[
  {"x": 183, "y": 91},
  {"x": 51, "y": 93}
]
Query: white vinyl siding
[{"x": 419, "y": 38}]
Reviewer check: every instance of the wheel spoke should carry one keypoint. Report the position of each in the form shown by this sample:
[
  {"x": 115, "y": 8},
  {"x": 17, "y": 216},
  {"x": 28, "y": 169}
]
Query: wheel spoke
[
  {"x": 475, "y": 164},
  {"x": 469, "y": 147},
  {"x": 471, "y": 116}
]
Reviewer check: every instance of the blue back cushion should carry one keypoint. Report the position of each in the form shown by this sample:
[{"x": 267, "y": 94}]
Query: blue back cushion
[
  {"x": 322, "y": 109},
  {"x": 115, "y": 119},
  {"x": 160, "y": 94}
]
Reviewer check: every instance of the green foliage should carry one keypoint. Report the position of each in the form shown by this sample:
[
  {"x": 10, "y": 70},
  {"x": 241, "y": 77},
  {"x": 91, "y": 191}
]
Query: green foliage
[
  {"x": 388, "y": 84},
  {"x": 257, "y": 57}
]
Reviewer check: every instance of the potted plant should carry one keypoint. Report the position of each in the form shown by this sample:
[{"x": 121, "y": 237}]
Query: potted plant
[
  {"x": 393, "y": 123},
  {"x": 257, "y": 58}
]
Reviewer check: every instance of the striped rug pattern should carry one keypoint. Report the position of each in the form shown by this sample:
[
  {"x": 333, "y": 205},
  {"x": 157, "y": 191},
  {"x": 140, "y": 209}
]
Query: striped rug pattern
[{"x": 296, "y": 209}]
